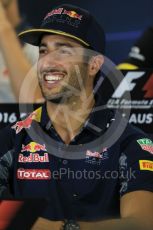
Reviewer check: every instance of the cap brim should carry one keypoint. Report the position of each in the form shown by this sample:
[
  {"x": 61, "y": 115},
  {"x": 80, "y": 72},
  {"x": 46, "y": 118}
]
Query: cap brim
[{"x": 33, "y": 36}]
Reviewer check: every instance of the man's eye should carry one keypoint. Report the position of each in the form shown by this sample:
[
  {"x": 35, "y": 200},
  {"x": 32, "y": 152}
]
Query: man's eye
[
  {"x": 66, "y": 51},
  {"x": 42, "y": 51}
]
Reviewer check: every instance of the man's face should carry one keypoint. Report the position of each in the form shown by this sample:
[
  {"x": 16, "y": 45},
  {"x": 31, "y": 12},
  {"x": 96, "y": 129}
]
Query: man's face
[{"x": 62, "y": 71}]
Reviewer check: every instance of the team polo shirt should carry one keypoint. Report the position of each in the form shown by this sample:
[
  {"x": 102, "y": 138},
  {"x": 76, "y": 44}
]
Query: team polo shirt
[{"x": 81, "y": 180}]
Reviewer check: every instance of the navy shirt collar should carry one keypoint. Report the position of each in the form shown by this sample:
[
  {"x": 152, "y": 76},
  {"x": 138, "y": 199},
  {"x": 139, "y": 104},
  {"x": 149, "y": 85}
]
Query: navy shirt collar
[
  {"x": 100, "y": 117},
  {"x": 98, "y": 120},
  {"x": 45, "y": 120}
]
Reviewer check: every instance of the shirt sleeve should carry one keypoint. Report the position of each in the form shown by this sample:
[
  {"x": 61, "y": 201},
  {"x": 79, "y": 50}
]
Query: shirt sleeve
[
  {"x": 6, "y": 162},
  {"x": 136, "y": 165},
  {"x": 5, "y": 169}
]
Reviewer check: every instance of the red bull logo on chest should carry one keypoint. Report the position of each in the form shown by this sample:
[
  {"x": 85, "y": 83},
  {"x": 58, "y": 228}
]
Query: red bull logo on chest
[
  {"x": 33, "y": 148},
  {"x": 33, "y": 157}
]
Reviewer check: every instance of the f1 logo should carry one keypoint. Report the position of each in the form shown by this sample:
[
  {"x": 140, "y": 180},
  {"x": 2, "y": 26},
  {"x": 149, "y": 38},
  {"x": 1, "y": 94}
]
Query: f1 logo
[{"x": 127, "y": 83}]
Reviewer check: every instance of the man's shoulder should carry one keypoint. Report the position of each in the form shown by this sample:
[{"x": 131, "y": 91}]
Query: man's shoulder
[
  {"x": 132, "y": 134},
  {"x": 13, "y": 133},
  {"x": 133, "y": 130},
  {"x": 21, "y": 124}
]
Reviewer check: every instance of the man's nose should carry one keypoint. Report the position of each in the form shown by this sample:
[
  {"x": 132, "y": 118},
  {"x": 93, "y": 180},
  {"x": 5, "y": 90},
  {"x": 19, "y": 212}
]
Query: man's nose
[
  {"x": 52, "y": 55},
  {"x": 50, "y": 59}
]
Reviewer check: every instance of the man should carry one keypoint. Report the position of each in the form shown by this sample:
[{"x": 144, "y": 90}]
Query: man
[{"x": 73, "y": 150}]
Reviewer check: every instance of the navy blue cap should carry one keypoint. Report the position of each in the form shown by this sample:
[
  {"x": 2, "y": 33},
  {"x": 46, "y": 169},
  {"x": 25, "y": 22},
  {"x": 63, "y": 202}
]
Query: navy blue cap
[{"x": 70, "y": 21}]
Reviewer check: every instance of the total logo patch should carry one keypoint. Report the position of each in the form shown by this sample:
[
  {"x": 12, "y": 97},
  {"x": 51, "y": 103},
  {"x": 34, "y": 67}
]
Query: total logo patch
[
  {"x": 146, "y": 165},
  {"x": 33, "y": 174},
  {"x": 146, "y": 144}
]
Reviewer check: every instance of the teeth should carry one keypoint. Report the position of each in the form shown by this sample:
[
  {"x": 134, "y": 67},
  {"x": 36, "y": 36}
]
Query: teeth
[
  {"x": 50, "y": 82},
  {"x": 52, "y": 78}
]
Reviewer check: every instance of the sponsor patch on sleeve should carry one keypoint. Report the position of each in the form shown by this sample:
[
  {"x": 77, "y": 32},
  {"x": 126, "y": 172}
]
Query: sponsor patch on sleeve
[
  {"x": 146, "y": 144},
  {"x": 146, "y": 165}
]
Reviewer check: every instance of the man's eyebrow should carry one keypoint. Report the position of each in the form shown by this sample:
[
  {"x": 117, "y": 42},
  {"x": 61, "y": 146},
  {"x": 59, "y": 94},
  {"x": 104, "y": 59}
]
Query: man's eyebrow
[{"x": 58, "y": 44}]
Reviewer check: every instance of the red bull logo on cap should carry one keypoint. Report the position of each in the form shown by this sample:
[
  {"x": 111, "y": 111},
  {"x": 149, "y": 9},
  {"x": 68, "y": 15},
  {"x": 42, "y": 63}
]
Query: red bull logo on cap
[
  {"x": 72, "y": 14},
  {"x": 33, "y": 147},
  {"x": 53, "y": 12},
  {"x": 59, "y": 11}
]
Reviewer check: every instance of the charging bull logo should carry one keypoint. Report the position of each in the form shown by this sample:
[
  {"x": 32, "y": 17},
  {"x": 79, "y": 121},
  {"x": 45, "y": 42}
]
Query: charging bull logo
[
  {"x": 26, "y": 123},
  {"x": 33, "y": 147},
  {"x": 72, "y": 14}
]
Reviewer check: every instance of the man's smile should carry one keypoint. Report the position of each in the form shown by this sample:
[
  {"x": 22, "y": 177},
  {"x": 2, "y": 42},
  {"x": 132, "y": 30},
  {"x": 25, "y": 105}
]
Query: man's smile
[{"x": 52, "y": 78}]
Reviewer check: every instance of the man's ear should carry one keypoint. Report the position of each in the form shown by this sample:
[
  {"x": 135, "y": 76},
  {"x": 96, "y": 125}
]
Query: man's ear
[{"x": 95, "y": 63}]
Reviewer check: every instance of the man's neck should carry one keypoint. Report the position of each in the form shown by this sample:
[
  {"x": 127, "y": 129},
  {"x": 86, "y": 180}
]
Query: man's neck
[{"x": 69, "y": 117}]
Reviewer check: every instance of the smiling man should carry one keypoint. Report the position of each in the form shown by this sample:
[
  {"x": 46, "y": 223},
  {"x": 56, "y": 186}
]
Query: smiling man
[
  {"x": 58, "y": 57},
  {"x": 66, "y": 80},
  {"x": 70, "y": 150}
]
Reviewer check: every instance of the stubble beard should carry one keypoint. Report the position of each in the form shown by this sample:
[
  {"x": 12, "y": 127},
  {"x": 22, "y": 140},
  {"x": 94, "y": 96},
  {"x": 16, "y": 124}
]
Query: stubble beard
[{"x": 72, "y": 88}]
